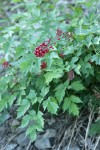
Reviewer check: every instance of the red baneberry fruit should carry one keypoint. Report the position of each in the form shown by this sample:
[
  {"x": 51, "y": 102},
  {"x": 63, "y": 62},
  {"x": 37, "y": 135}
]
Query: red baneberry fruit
[
  {"x": 5, "y": 64},
  {"x": 41, "y": 50},
  {"x": 59, "y": 32},
  {"x": 43, "y": 65},
  {"x": 61, "y": 55}
]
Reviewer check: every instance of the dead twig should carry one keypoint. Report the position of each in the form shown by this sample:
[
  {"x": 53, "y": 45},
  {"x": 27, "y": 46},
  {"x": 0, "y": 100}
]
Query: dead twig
[
  {"x": 97, "y": 142},
  {"x": 88, "y": 127},
  {"x": 29, "y": 145},
  {"x": 72, "y": 135},
  {"x": 66, "y": 133}
]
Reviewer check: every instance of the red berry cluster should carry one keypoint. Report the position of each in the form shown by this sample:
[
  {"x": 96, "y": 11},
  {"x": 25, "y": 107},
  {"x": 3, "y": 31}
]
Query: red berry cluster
[
  {"x": 5, "y": 64},
  {"x": 59, "y": 32},
  {"x": 43, "y": 65},
  {"x": 41, "y": 50}
]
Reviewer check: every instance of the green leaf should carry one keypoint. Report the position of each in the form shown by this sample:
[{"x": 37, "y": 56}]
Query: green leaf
[
  {"x": 32, "y": 96},
  {"x": 96, "y": 40},
  {"x": 70, "y": 50},
  {"x": 36, "y": 12},
  {"x": 82, "y": 32},
  {"x": 3, "y": 117},
  {"x": 26, "y": 66},
  {"x": 96, "y": 58},
  {"x": 16, "y": 1},
  {"x": 73, "y": 60},
  {"x": 3, "y": 104},
  {"x": 40, "y": 82},
  {"x": 44, "y": 91},
  {"x": 74, "y": 109},
  {"x": 77, "y": 86},
  {"x": 38, "y": 124},
  {"x": 12, "y": 98},
  {"x": 45, "y": 104},
  {"x": 80, "y": 1},
  {"x": 3, "y": 84},
  {"x": 52, "y": 106},
  {"x": 23, "y": 108},
  {"x": 39, "y": 121},
  {"x": 51, "y": 58},
  {"x": 49, "y": 76},
  {"x": 32, "y": 132},
  {"x": 95, "y": 128},
  {"x": 66, "y": 104},
  {"x": 75, "y": 99},
  {"x": 77, "y": 69},
  {"x": 25, "y": 121},
  {"x": 52, "y": 55},
  {"x": 87, "y": 69},
  {"x": 89, "y": 40},
  {"x": 26, "y": 63},
  {"x": 69, "y": 104},
  {"x": 87, "y": 58},
  {"x": 60, "y": 91}
]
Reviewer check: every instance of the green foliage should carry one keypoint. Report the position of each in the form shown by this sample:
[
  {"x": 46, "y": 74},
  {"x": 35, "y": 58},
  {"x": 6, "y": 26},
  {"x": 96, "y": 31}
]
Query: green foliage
[
  {"x": 70, "y": 104},
  {"x": 61, "y": 79},
  {"x": 95, "y": 128},
  {"x": 77, "y": 86}
]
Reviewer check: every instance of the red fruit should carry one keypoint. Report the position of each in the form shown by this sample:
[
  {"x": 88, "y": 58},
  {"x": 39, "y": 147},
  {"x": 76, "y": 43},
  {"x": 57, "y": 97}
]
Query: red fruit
[
  {"x": 51, "y": 47},
  {"x": 46, "y": 51},
  {"x": 61, "y": 55},
  {"x": 43, "y": 65},
  {"x": 41, "y": 50},
  {"x": 58, "y": 38},
  {"x": 5, "y": 64},
  {"x": 59, "y": 32}
]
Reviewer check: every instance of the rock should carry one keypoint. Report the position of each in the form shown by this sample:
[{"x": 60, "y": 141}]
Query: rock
[
  {"x": 50, "y": 133},
  {"x": 15, "y": 123},
  {"x": 45, "y": 141},
  {"x": 19, "y": 148},
  {"x": 11, "y": 147},
  {"x": 21, "y": 130},
  {"x": 42, "y": 143},
  {"x": 22, "y": 140},
  {"x": 2, "y": 130}
]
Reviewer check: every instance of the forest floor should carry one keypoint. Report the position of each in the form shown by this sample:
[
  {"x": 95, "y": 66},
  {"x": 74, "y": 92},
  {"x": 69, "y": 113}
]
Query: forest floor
[{"x": 61, "y": 132}]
